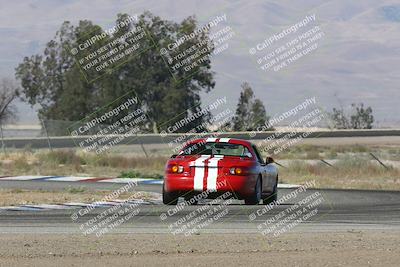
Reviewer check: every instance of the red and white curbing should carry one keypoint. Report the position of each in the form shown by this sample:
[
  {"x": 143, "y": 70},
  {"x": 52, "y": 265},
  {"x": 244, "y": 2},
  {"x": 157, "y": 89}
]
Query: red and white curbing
[
  {"x": 73, "y": 205},
  {"x": 81, "y": 179},
  {"x": 100, "y": 180}
]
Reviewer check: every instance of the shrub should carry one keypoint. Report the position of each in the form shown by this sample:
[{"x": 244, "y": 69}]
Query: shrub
[{"x": 61, "y": 157}]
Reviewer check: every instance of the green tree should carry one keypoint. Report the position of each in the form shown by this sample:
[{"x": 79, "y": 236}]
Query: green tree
[
  {"x": 168, "y": 92},
  {"x": 258, "y": 114},
  {"x": 250, "y": 112},
  {"x": 339, "y": 119},
  {"x": 360, "y": 117},
  {"x": 53, "y": 79},
  {"x": 8, "y": 94}
]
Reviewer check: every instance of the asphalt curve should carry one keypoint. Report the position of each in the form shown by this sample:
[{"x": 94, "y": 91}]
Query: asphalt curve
[{"x": 336, "y": 210}]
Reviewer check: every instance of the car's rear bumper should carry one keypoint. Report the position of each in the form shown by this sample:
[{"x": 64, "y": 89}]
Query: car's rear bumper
[{"x": 240, "y": 186}]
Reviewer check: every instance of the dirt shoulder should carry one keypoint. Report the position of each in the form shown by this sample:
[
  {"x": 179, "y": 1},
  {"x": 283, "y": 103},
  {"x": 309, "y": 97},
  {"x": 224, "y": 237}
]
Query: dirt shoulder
[
  {"x": 364, "y": 248},
  {"x": 15, "y": 197}
]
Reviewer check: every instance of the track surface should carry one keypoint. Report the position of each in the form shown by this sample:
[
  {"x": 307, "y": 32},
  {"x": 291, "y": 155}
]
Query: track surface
[{"x": 340, "y": 210}]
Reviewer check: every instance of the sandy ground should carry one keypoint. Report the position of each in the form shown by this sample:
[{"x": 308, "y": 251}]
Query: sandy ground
[
  {"x": 351, "y": 248},
  {"x": 15, "y": 197}
]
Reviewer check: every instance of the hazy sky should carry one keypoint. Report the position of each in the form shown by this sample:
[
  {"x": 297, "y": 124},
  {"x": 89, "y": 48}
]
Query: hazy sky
[{"x": 357, "y": 59}]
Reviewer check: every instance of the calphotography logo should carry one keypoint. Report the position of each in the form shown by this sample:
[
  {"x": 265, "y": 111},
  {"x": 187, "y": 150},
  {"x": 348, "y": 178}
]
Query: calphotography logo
[
  {"x": 109, "y": 127},
  {"x": 98, "y": 53},
  {"x": 286, "y": 47},
  {"x": 302, "y": 206},
  {"x": 210, "y": 194},
  {"x": 194, "y": 50},
  {"x": 116, "y": 213},
  {"x": 199, "y": 219},
  {"x": 204, "y": 123},
  {"x": 302, "y": 122}
]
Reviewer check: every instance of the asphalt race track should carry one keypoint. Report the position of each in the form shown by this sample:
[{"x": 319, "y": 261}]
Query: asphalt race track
[{"x": 339, "y": 210}]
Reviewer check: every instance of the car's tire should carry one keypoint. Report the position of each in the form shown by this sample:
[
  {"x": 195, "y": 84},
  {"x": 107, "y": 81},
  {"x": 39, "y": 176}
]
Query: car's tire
[
  {"x": 256, "y": 197},
  {"x": 273, "y": 196},
  {"x": 169, "y": 198}
]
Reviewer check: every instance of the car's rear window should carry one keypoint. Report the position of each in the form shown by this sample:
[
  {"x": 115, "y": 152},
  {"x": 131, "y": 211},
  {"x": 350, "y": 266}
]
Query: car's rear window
[{"x": 212, "y": 148}]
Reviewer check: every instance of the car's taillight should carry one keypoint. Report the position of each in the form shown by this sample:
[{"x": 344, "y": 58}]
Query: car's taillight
[
  {"x": 176, "y": 168},
  {"x": 236, "y": 171}
]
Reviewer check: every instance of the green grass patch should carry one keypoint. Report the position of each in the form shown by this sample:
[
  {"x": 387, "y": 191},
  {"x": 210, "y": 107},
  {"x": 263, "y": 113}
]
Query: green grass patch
[{"x": 75, "y": 190}]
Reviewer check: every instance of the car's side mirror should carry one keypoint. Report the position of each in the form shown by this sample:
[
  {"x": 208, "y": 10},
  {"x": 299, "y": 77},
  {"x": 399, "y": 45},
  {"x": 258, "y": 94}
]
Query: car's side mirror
[{"x": 269, "y": 160}]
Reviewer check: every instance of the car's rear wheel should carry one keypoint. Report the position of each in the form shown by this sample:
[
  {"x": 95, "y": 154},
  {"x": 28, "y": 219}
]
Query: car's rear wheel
[
  {"x": 256, "y": 197},
  {"x": 169, "y": 198},
  {"x": 273, "y": 196}
]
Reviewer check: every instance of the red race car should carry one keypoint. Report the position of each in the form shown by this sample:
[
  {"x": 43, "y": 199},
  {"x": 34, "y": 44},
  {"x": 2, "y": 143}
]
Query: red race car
[{"x": 218, "y": 165}]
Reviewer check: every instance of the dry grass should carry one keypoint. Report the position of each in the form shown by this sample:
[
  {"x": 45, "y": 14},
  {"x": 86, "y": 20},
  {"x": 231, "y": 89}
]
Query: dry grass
[
  {"x": 333, "y": 152},
  {"x": 70, "y": 162},
  {"x": 353, "y": 169},
  {"x": 348, "y": 173}
]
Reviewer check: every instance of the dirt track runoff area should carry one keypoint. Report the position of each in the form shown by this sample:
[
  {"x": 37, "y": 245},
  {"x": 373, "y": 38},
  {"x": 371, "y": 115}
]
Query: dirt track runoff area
[{"x": 350, "y": 248}]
